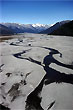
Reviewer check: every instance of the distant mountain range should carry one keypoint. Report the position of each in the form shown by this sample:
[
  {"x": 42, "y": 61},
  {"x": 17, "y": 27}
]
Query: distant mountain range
[
  {"x": 60, "y": 28},
  {"x": 22, "y": 28}
]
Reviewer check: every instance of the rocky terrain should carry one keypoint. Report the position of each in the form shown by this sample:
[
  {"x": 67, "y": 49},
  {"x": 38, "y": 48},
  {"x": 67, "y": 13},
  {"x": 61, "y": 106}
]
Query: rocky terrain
[{"x": 36, "y": 72}]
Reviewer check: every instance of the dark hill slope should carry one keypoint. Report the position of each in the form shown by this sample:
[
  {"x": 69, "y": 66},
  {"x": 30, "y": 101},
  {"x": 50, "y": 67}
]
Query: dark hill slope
[
  {"x": 65, "y": 30},
  {"x": 54, "y": 27},
  {"x": 5, "y": 30}
]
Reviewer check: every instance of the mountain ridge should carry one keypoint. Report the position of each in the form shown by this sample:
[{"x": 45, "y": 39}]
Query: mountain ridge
[
  {"x": 50, "y": 29},
  {"x": 66, "y": 29},
  {"x": 54, "y": 27},
  {"x": 30, "y": 28},
  {"x": 5, "y": 30}
]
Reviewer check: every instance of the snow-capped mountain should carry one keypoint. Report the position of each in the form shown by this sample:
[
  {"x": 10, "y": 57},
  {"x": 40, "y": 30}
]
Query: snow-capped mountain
[
  {"x": 41, "y": 27},
  {"x": 34, "y": 28},
  {"x": 18, "y": 28},
  {"x": 30, "y": 28}
]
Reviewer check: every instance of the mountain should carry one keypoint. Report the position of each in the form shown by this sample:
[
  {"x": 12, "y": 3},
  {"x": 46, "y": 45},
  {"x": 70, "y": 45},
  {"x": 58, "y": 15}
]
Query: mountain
[
  {"x": 54, "y": 27},
  {"x": 66, "y": 29},
  {"x": 5, "y": 30},
  {"x": 30, "y": 28},
  {"x": 18, "y": 28},
  {"x": 40, "y": 27}
]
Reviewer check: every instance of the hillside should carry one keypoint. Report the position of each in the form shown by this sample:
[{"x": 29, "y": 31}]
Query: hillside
[
  {"x": 5, "y": 30},
  {"x": 65, "y": 30},
  {"x": 54, "y": 27}
]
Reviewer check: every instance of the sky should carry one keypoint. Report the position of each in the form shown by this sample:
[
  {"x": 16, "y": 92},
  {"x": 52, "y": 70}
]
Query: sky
[{"x": 32, "y": 12}]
